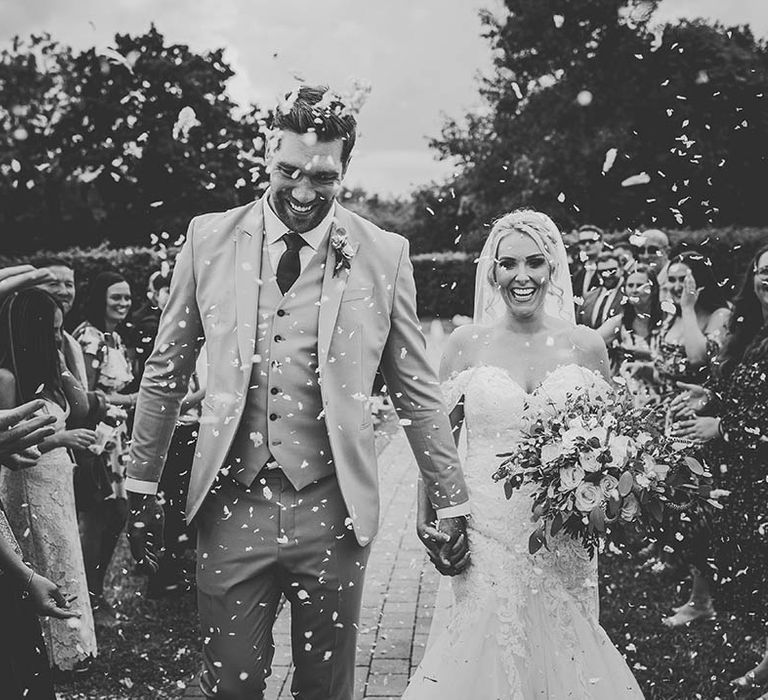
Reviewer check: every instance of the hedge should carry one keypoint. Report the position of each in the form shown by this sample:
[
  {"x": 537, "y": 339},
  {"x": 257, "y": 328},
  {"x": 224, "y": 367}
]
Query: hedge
[{"x": 445, "y": 281}]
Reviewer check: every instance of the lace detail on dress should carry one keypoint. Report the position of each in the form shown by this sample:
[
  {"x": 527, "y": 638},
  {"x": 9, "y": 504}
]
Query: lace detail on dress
[
  {"x": 541, "y": 610},
  {"x": 454, "y": 387}
]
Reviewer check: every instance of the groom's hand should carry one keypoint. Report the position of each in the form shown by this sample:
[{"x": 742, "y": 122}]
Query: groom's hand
[
  {"x": 145, "y": 530},
  {"x": 446, "y": 544}
]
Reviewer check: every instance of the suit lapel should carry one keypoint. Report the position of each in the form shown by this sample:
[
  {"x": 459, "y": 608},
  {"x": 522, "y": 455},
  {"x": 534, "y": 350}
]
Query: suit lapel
[
  {"x": 249, "y": 237},
  {"x": 333, "y": 285}
]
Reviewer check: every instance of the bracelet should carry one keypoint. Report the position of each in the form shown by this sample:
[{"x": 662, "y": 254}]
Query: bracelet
[{"x": 25, "y": 590}]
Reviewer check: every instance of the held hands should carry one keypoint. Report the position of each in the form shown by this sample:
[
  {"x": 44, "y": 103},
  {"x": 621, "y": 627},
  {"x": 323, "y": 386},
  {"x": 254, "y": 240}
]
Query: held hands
[
  {"x": 145, "y": 530},
  {"x": 447, "y": 544},
  {"x": 20, "y": 432}
]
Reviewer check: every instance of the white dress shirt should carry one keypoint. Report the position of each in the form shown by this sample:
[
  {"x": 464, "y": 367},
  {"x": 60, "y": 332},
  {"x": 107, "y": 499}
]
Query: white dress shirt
[{"x": 275, "y": 229}]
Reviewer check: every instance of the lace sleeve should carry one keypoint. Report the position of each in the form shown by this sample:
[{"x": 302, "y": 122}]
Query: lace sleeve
[{"x": 454, "y": 387}]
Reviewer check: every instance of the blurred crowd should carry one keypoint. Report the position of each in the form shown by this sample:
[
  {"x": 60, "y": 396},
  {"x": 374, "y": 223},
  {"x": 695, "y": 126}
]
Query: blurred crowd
[
  {"x": 69, "y": 375},
  {"x": 698, "y": 360}
]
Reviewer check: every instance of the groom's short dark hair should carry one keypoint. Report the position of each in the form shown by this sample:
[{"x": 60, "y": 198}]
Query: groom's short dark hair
[{"x": 311, "y": 109}]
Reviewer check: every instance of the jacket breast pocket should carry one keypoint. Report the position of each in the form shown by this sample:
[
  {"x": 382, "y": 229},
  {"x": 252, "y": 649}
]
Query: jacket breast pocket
[{"x": 357, "y": 294}]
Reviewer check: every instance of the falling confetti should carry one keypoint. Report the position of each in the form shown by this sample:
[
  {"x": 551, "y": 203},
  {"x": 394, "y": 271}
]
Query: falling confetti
[
  {"x": 610, "y": 159},
  {"x": 639, "y": 179},
  {"x": 186, "y": 120}
]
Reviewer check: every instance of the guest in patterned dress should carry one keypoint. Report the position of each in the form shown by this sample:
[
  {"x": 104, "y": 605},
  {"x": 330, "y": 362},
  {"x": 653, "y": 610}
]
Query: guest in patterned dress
[
  {"x": 108, "y": 367},
  {"x": 731, "y": 417},
  {"x": 697, "y": 324},
  {"x": 40, "y": 500},
  {"x": 632, "y": 336}
]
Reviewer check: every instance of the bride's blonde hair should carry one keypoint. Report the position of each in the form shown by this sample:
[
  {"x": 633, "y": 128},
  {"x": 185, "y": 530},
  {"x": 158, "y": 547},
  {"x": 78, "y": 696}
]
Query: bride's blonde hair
[{"x": 534, "y": 224}]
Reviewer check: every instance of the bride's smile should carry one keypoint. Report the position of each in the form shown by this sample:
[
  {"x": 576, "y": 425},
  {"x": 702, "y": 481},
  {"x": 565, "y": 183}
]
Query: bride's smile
[{"x": 522, "y": 273}]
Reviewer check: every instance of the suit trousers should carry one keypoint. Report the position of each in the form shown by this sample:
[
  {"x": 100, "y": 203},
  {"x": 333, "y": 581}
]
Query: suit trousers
[{"x": 257, "y": 544}]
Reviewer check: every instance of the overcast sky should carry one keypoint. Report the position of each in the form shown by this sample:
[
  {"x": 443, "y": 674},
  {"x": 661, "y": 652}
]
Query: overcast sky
[{"x": 422, "y": 57}]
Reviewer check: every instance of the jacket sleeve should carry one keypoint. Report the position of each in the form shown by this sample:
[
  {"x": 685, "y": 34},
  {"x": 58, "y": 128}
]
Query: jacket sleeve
[
  {"x": 166, "y": 375},
  {"x": 415, "y": 392}
]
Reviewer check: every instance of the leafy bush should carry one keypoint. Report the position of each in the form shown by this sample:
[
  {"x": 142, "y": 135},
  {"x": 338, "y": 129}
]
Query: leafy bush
[
  {"x": 135, "y": 264},
  {"x": 444, "y": 281}
]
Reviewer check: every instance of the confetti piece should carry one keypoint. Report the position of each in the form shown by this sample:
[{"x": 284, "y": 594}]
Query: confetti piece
[{"x": 639, "y": 179}]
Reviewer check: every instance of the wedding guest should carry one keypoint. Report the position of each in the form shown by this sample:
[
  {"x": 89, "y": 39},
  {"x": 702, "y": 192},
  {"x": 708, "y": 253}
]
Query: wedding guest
[
  {"x": 147, "y": 318},
  {"x": 61, "y": 286},
  {"x": 91, "y": 478},
  {"x": 590, "y": 245},
  {"x": 24, "y": 668},
  {"x": 40, "y": 499},
  {"x": 108, "y": 367},
  {"x": 692, "y": 335},
  {"x": 731, "y": 417},
  {"x": 605, "y": 300},
  {"x": 173, "y": 575},
  {"x": 632, "y": 336},
  {"x": 652, "y": 249},
  {"x": 622, "y": 249}
]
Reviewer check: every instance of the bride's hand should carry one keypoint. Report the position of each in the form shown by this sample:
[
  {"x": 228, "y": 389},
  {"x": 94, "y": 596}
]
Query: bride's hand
[
  {"x": 446, "y": 544},
  {"x": 434, "y": 540}
]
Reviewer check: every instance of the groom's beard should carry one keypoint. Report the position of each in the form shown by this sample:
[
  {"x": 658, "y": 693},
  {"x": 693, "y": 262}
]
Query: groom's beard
[{"x": 295, "y": 221}]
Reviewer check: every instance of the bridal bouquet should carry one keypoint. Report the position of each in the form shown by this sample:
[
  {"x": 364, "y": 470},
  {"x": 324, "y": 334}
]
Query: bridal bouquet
[{"x": 595, "y": 466}]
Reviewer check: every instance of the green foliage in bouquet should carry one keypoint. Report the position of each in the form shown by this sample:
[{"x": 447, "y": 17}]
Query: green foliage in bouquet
[{"x": 596, "y": 469}]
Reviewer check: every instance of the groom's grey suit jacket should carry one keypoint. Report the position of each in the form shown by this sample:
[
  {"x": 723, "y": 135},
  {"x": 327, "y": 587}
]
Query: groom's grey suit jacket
[{"x": 367, "y": 318}]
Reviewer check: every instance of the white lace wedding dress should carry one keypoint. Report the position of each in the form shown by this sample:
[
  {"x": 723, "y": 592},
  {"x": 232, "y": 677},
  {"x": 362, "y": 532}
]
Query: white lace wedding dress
[{"x": 522, "y": 627}]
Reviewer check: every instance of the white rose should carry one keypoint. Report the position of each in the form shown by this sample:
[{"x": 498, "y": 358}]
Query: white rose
[
  {"x": 643, "y": 439},
  {"x": 571, "y": 477},
  {"x": 588, "y": 460},
  {"x": 621, "y": 448},
  {"x": 630, "y": 508},
  {"x": 609, "y": 485},
  {"x": 588, "y": 496},
  {"x": 572, "y": 435}
]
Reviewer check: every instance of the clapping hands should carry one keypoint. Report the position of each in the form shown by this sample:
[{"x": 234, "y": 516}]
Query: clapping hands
[{"x": 690, "y": 402}]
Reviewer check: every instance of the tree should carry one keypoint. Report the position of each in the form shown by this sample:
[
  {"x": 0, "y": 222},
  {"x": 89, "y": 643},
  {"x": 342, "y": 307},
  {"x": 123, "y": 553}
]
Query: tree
[
  {"x": 143, "y": 138},
  {"x": 584, "y": 95}
]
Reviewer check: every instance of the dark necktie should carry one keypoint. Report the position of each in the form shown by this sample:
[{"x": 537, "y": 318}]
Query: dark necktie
[
  {"x": 289, "y": 266},
  {"x": 600, "y": 316}
]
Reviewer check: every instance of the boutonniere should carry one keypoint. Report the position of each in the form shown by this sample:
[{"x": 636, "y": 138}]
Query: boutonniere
[{"x": 342, "y": 250}]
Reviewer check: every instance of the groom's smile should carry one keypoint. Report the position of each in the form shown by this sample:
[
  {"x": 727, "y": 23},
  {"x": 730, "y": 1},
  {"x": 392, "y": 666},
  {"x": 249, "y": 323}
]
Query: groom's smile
[{"x": 305, "y": 176}]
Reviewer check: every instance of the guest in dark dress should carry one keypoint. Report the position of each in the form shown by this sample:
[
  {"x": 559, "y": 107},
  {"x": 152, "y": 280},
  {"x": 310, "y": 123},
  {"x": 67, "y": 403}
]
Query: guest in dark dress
[{"x": 736, "y": 435}]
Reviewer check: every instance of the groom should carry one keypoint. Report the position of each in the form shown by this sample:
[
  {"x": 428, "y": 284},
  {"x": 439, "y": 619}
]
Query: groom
[{"x": 299, "y": 301}]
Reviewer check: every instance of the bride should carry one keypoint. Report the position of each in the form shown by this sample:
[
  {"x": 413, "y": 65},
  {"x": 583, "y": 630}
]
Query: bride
[{"x": 521, "y": 626}]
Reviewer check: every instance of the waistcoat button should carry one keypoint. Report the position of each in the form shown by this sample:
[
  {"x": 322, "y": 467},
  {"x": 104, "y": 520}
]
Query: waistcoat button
[
  {"x": 274, "y": 390},
  {"x": 273, "y": 416},
  {"x": 282, "y": 312}
]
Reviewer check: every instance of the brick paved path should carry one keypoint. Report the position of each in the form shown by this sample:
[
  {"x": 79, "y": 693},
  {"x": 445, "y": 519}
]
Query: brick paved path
[{"x": 399, "y": 592}]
